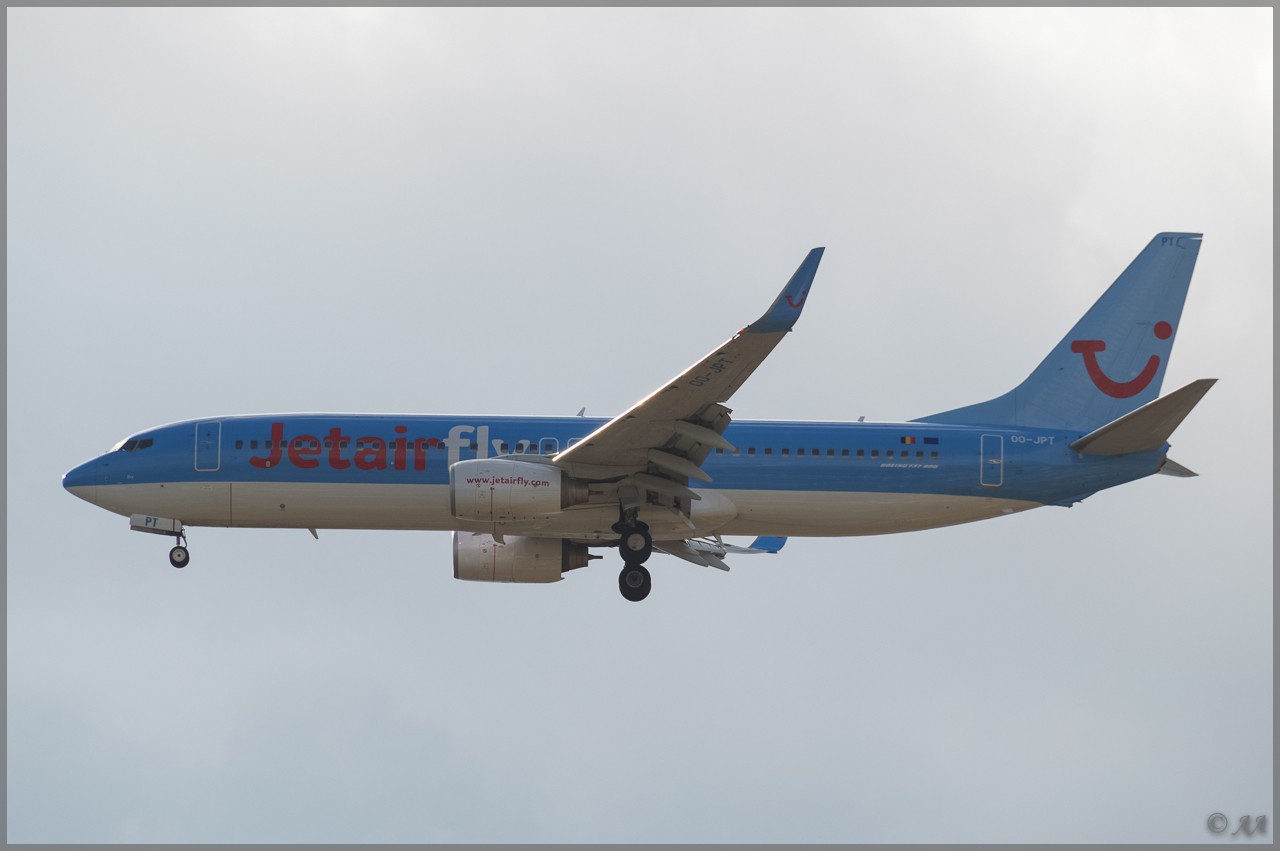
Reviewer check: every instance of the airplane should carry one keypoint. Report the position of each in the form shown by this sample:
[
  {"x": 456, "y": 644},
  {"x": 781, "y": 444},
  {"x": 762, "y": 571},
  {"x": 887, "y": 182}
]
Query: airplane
[{"x": 527, "y": 498}]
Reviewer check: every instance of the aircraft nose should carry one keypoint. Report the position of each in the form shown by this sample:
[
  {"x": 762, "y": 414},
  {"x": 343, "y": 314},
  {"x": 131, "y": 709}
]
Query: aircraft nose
[{"x": 83, "y": 481}]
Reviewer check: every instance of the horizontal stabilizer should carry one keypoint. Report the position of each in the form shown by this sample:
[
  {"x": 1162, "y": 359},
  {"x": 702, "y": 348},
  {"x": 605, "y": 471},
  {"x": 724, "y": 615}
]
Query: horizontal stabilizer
[
  {"x": 1173, "y": 468},
  {"x": 1148, "y": 428}
]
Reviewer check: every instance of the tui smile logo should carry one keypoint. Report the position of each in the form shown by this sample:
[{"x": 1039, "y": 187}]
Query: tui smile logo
[
  {"x": 1089, "y": 349},
  {"x": 798, "y": 304}
]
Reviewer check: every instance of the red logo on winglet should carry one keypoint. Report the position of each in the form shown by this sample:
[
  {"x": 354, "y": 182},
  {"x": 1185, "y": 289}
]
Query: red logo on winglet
[
  {"x": 798, "y": 304},
  {"x": 1089, "y": 349}
]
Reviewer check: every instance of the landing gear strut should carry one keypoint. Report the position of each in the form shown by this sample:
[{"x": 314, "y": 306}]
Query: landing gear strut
[{"x": 169, "y": 527}]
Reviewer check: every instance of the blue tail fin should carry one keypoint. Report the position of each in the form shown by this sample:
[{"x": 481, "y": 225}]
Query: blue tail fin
[{"x": 1114, "y": 359}]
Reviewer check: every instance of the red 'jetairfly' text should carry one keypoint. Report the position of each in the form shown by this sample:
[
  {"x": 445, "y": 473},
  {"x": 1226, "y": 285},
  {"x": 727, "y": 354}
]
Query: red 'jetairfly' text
[{"x": 308, "y": 451}]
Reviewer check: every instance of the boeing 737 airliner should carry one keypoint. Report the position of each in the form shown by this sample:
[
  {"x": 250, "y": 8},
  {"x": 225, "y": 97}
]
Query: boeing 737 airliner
[{"x": 527, "y": 497}]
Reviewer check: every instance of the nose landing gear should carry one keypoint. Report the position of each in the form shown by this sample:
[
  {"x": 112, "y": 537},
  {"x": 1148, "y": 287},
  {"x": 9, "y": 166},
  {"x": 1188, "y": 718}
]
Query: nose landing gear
[{"x": 178, "y": 556}]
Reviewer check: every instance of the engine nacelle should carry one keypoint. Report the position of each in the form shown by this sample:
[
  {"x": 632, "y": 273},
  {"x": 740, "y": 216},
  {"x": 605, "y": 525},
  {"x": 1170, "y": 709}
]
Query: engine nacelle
[
  {"x": 500, "y": 490},
  {"x": 479, "y": 558}
]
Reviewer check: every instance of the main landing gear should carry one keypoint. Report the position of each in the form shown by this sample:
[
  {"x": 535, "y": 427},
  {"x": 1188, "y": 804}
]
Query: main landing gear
[
  {"x": 636, "y": 545},
  {"x": 634, "y": 582}
]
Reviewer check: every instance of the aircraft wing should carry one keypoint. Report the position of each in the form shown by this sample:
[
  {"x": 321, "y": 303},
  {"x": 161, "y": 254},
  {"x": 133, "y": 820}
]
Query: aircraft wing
[
  {"x": 670, "y": 432},
  {"x": 711, "y": 552}
]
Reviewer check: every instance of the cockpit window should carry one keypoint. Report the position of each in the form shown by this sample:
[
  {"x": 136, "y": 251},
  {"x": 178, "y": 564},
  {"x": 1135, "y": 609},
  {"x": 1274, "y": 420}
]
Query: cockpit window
[{"x": 133, "y": 444}]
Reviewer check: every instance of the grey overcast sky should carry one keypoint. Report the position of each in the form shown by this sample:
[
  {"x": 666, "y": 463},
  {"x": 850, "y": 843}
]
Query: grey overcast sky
[{"x": 221, "y": 211}]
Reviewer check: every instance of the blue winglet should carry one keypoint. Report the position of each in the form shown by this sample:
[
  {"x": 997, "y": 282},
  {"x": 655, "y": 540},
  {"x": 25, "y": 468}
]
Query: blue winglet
[
  {"x": 768, "y": 543},
  {"x": 786, "y": 308}
]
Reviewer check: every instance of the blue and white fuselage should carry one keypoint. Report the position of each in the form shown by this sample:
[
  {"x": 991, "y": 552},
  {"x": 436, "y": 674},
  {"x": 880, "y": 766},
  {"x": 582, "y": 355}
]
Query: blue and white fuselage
[
  {"x": 527, "y": 496},
  {"x": 343, "y": 471}
]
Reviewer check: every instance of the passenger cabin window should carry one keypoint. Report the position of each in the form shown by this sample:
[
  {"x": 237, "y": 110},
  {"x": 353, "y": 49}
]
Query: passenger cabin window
[{"x": 784, "y": 452}]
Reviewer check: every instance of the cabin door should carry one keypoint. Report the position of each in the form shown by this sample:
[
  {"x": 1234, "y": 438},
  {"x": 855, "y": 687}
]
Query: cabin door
[
  {"x": 209, "y": 446},
  {"x": 992, "y": 474}
]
